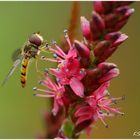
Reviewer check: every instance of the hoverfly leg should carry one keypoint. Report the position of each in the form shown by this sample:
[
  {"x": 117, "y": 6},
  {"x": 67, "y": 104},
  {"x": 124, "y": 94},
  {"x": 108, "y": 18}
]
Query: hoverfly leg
[
  {"x": 45, "y": 47},
  {"x": 37, "y": 69}
]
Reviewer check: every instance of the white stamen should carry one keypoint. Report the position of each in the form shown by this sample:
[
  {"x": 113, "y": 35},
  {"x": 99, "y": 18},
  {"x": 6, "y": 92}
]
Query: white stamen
[
  {"x": 44, "y": 95},
  {"x": 67, "y": 38},
  {"x": 34, "y": 88},
  {"x": 53, "y": 42}
]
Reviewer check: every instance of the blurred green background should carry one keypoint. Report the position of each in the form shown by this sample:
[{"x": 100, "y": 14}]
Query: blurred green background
[{"x": 21, "y": 114}]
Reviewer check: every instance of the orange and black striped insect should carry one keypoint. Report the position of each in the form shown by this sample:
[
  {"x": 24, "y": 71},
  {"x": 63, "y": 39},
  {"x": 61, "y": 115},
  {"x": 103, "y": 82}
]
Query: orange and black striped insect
[{"x": 31, "y": 49}]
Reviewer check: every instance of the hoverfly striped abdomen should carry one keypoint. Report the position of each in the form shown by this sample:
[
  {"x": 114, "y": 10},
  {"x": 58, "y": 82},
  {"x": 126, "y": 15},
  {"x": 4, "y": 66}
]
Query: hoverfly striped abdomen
[{"x": 24, "y": 66}]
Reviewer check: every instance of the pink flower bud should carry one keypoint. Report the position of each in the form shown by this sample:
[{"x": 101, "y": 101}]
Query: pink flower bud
[
  {"x": 85, "y": 27},
  {"x": 97, "y": 21},
  {"x": 97, "y": 26},
  {"x": 98, "y": 6},
  {"x": 107, "y": 54},
  {"x": 101, "y": 48},
  {"x": 105, "y": 66},
  {"x": 122, "y": 3},
  {"x": 120, "y": 24},
  {"x": 113, "y": 36},
  {"x": 109, "y": 71},
  {"x": 90, "y": 81},
  {"x": 108, "y": 6},
  {"x": 83, "y": 53},
  {"x": 120, "y": 40},
  {"x": 82, "y": 49},
  {"x": 110, "y": 20},
  {"x": 124, "y": 11},
  {"x": 116, "y": 38}
]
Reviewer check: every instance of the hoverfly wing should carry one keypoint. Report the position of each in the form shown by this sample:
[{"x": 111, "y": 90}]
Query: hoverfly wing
[
  {"x": 16, "y": 54},
  {"x": 14, "y": 66}
]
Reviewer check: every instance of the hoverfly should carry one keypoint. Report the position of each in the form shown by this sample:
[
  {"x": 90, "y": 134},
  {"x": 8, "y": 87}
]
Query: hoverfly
[{"x": 31, "y": 49}]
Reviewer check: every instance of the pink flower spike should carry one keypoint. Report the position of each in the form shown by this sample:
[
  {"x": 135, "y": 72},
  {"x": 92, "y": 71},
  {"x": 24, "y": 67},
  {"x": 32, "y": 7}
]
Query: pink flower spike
[
  {"x": 85, "y": 27},
  {"x": 77, "y": 87}
]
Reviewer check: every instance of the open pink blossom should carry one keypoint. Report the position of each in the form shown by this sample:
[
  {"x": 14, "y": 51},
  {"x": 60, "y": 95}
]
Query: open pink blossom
[
  {"x": 71, "y": 74},
  {"x": 99, "y": 105},
  {"x": 61, "y": 55},
  {"x": 55, "y": 90}
]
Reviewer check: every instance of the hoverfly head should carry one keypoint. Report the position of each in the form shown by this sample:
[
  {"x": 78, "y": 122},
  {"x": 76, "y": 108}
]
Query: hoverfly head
[{"x": 36, "y": 39}]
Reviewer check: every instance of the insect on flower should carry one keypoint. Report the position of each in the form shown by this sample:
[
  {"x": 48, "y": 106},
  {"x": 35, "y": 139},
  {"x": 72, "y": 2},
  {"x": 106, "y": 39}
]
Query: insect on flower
[{"x": 31, "y": 49}]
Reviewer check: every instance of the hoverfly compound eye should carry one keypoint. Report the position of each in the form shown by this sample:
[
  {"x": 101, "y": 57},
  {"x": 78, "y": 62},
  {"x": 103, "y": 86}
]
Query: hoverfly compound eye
[{"x": 36, "y": 39}]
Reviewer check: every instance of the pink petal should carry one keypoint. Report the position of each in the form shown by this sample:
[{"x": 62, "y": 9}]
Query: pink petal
[
  {"x": 57, "y": 73},
  {"x": 83, "y": 111},
  {"x": 73, "y": 67},
  {"x": 77, "y": 87},
  {"x": 72, "y": 53},
  {"x": 101, "y": 89},
  {"x": 83, "y": 118},
  {"x": 55, "y": 107}
]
